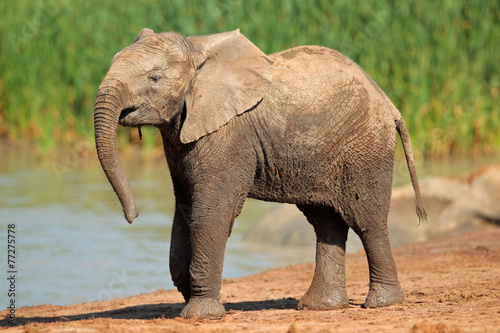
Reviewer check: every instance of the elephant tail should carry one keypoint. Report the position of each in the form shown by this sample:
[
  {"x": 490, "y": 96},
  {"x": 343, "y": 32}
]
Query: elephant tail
[{"x": 405, "y": 139}]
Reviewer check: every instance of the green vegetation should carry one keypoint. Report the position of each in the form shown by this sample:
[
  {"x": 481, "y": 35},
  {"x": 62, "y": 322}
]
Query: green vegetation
[{"x": 437, "y": 60}]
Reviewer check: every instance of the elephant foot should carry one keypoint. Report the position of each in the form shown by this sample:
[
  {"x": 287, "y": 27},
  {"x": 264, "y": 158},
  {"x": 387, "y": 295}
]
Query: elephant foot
[
  {"x": 383, "y": 295},
  {"x": 203, "y": 308},
  {"x": 324, "y": 300}
]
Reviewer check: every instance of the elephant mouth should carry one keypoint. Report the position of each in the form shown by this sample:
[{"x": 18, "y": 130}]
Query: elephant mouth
[{"x": 127, "y": 117}]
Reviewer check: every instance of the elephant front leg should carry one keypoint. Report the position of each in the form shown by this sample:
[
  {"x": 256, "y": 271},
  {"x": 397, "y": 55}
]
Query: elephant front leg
[
  {"x": 208, "y": 243},
  {"x": 210, "y": 227},
  {"x": 180, "y": 251},
  {"x": 328, "y": 288}
]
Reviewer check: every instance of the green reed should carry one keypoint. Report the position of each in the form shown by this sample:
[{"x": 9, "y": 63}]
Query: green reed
[{"x": 437, "y": 60}]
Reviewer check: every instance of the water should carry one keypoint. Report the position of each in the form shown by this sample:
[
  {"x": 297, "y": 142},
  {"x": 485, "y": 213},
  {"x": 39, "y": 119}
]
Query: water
[{"x": 73, "y": 244}]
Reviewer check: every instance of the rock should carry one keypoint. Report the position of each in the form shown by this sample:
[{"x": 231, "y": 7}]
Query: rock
[
  {"x": 286, "y": 226},
  {"x": 437, "y": 194},
  {"x": 473, "y": 208}
]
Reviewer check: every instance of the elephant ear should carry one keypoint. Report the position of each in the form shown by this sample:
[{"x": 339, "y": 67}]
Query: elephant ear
[{"x": 232, "y": 77}]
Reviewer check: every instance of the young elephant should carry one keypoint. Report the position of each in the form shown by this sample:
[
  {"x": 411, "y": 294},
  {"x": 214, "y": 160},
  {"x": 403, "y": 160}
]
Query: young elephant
[{"x": 305, "y": 126}]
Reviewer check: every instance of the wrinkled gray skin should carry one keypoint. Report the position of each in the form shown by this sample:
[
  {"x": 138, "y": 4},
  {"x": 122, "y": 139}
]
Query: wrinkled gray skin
[{"x": 304, "y": 126}]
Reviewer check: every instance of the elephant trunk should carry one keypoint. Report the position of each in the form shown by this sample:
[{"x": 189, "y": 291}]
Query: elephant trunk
[{"x": 107, "y": 108}]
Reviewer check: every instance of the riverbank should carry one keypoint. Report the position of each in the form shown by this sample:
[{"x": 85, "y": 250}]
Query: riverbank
[{"x": 451, "y": 285}]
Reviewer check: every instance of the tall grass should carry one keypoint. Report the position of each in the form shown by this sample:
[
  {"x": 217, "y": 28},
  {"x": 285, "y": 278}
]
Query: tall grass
[{"x": 437, "y": 60}]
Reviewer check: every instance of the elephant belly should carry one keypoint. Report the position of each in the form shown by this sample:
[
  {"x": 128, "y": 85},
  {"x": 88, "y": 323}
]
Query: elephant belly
[{"x": 302, "y": 179}]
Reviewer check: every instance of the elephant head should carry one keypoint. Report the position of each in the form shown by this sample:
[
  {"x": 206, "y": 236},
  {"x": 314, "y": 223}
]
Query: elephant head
[{"x": 202, "y": 81}]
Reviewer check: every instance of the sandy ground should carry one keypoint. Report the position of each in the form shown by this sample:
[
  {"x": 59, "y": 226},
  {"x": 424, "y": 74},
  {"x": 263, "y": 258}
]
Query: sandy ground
[{"x": 452, "y": 285}]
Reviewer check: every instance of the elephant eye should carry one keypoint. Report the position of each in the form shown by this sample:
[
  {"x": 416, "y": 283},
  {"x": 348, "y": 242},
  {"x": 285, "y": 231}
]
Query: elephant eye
[{"x": 154, "y": 77}]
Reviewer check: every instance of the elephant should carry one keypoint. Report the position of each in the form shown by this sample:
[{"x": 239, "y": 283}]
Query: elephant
[{"x": 305, "y": 126}]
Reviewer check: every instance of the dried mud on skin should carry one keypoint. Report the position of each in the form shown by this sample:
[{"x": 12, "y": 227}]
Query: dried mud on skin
[{"x": 452, "y": 285}]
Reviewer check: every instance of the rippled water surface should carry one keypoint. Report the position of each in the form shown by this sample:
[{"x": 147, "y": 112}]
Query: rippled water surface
[{"x": 73, "y": 244}]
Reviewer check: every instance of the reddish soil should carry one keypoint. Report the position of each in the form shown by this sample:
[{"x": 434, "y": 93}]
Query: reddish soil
[{"x": 452, "y": 285}]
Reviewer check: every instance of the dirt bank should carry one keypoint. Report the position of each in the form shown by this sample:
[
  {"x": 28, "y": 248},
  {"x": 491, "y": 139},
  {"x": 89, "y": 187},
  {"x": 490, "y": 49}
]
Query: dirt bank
[{"x": 452, "y": 285}]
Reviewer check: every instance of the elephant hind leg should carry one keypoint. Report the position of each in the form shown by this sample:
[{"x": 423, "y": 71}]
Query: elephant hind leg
[
  {"x": 367, "y": 216},
  {"x": 384, "y": 284},
  {"x": 328, "y": 287}
]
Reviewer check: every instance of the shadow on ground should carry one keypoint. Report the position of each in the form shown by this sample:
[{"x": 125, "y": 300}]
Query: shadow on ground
[{"x": 154, "y": 311}]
